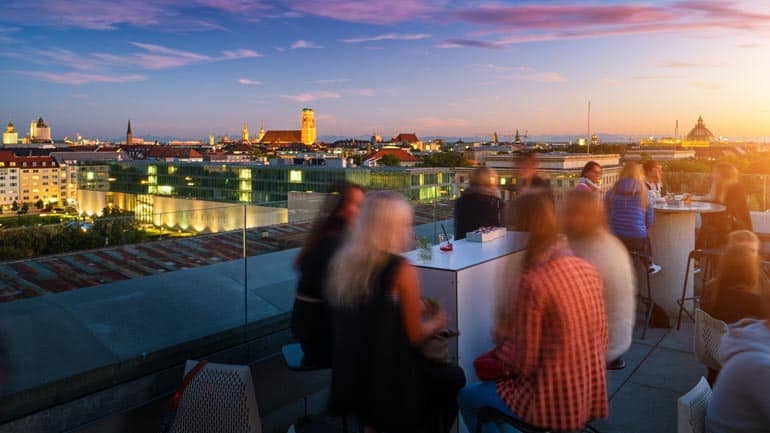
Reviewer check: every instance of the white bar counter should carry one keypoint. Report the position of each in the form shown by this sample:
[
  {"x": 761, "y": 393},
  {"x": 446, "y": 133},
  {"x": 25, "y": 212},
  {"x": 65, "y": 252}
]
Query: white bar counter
[
  {"x": 466, "y": 283},
  {"x": 672, "y": 236}
]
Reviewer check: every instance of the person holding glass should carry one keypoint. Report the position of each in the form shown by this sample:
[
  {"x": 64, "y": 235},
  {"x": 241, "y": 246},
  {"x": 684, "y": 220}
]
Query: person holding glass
[{"x": 380, "y": 373}]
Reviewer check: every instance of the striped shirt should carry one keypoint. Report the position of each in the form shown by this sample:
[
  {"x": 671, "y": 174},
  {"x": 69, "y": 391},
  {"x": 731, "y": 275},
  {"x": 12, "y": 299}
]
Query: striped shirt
[{"x": 557, "y": 350}]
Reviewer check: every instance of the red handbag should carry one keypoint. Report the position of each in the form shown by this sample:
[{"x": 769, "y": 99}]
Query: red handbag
[{"x": 489, "y": 367}]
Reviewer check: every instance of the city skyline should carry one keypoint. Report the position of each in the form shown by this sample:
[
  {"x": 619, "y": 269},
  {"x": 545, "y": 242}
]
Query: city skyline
[{"x": 437, "y": 68}]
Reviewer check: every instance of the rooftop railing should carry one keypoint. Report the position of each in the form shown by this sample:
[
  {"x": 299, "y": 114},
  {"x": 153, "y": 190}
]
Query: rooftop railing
[{"x": 88, "y": 303}]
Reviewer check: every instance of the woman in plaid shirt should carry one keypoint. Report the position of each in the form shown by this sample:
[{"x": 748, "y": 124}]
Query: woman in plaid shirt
[{"x": 552, "y": 347}]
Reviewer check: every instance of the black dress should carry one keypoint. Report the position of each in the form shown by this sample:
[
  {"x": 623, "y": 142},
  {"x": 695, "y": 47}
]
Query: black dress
[
  {"x": 310, "y": 320},
  {"x": 474, "y": 210},
  {"x": 378, "y": 376}
]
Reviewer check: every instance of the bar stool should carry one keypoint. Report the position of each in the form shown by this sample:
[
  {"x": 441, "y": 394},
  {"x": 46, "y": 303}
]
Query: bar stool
[
  {"x": 488, "y": 415},
  {"x": 706, "y": 258},
  {"x": 642, "y": 261},
  {"x": 294, "y": 357}
]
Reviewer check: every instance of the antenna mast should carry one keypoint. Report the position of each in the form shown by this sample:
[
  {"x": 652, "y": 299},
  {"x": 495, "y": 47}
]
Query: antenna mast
[{"x": 588, "y": 132}]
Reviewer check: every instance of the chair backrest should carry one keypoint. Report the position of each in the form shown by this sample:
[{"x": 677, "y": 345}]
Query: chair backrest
[
  {"x": 219, "y": 399},
  {"x": 691, "y": 408},
  {"x": 708, "y": 334}
]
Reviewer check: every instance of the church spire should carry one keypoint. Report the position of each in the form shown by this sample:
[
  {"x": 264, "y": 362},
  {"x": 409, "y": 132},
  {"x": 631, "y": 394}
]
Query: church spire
[{"x": 129, "y": 134}]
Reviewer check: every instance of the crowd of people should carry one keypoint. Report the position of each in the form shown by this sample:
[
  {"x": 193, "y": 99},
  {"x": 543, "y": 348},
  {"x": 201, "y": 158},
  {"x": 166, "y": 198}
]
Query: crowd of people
[{"x": 565, "y": 321}]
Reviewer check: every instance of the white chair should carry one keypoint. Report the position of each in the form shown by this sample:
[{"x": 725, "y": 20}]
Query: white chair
[
  {"x": 219, "y": 399},
  {"x": 708, "y": 334},
  {"x": 691, "y": 408}
]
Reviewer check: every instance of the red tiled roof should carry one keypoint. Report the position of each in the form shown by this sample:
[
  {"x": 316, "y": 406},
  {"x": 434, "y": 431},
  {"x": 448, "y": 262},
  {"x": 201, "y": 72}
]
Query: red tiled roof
[
  {"x": 402, "y": 155},
  {"x": 172, "y": 152},
  {"x": 406, "y": 138},
  {"x": 282, "y": 137},
  {"x": 31, "y": 161}
]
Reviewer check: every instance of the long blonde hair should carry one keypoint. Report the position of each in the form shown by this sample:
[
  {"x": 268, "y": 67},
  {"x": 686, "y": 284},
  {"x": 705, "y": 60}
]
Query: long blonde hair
[
  {"x": 728, "y": 175},
  {"x": 633, "y": 170},
  {"x": 383, "y": 228}
]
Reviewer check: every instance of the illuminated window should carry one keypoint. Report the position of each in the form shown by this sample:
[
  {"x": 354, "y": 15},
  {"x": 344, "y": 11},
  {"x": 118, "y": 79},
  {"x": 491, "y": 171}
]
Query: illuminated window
[
  {"x": 295, "y": 176},
  {"x": 90, "y": 175},
  {"x": 165, "y": 189},
  {"x": 171, "y": 169}
]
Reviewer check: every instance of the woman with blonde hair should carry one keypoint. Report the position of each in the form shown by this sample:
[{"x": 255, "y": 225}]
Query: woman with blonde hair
[
  {"x": 479, "y": 205},
  {"x": 378, "y": 371},
  {"x": 630, "y": 212},
  {"x": 727, "y": 190}
]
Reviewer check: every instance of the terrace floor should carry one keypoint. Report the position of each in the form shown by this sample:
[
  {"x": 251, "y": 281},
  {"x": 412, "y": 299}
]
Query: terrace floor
[{"x": 643, "y": 396}]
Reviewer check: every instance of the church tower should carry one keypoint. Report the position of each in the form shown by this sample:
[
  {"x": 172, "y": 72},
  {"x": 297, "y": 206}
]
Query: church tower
[
  {"x": 245, "y": 133},
  {"x": 517, "y": 138},
  {"x": 308, "y": 131},
  {"x": 261, "y": 133},
  {"x": 129, "y": 134}
]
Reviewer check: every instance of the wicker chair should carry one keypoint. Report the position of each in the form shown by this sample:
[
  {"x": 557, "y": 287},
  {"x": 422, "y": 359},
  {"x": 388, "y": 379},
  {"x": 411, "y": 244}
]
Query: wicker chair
[
  {"x": 691, "y": 408},
  {"x": 708, "y": 334},
  {"x": 219, "y": 399}
]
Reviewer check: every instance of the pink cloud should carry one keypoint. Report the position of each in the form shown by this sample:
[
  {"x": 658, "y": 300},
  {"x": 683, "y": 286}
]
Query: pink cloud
[
  {"x": 312, "y": 96},
  {"x": 77, "y": 78},
  {"x": 372, "y": 12},
  {"x": 554, "y": 17},
  {"x": 160, "y": 57},
  {"x": 387, "y": 37},
  {"x": 539, "y": 77},
  {"x": 542, "y": 23}
]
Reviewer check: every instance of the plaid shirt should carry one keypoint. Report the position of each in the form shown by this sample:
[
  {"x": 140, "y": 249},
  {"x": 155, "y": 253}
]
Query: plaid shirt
[{"x": 556, "y": 355}]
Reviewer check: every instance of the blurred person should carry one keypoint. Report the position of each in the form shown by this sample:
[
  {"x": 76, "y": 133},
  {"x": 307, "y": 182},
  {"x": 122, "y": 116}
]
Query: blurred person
[
  {"x": 590, "y": 177},
  {"x": 740, "y": 402},
  {"x": 727, "y": 190},
  {"x": 744, "y": 237},
  {"x": 631, "y": 213},
  {"x": 479, "y": 205},
  {"x": 309, "y": 320},
  {"x": 528, "y": 180},
  {"x": 552, "y": 347},
  {"x": 653, "y": 179},
  {"x": 583, "y": 221},
  {"x": 379, "y": 373},
  {"x": 734, "y": 293}
]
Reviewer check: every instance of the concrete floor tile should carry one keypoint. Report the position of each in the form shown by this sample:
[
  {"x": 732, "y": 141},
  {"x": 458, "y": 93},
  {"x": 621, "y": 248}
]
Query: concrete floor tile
[
  {"x": 633, "y": 357},
  {"x": 681, "y": 339},
  {"x": 669, "y": 369},
  {"x": 641, "y": 409}
]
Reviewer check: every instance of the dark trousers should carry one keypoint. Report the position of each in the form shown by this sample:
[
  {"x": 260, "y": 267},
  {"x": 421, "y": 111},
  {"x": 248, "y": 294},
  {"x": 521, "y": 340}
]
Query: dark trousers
[
  {"x": 444, "y": 383},
  {"x": 640, "y": 246},
  {"x": 310, "y": 324}
]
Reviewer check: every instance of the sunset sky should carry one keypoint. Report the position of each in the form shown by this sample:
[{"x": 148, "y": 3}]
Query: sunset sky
[{"x": 188, "y": 68}]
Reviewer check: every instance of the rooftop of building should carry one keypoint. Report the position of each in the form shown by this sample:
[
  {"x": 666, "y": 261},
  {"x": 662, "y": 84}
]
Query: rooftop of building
[
  {"x": 700, "y": 133},
  {"x": 400, "y": 154}
]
